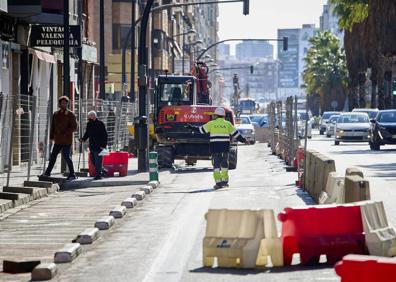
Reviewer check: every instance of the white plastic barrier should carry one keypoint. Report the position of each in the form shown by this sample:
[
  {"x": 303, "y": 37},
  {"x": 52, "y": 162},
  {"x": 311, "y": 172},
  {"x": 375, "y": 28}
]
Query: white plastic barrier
[
  {"x": 380, "y": 236},
  {"x": 241, "y": 239}
]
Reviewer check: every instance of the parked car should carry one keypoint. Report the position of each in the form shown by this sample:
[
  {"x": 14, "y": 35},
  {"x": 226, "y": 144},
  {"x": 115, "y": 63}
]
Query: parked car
[
  {"x": 330, "y": 125},
  {"x": 260, "y": 120},
  {"x": 372, "y": 113},
  {"x": 383, "y": 130},
  {"x": 352, "y": 127},
  {"x": 245, "y": 127},
  {"x": 324, "y": 119},
  {"x": 302, "y": 116}
]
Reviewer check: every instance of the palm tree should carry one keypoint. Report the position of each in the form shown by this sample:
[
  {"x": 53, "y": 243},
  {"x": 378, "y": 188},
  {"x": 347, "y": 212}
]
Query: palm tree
[
  {"x": 353, "y": 16},
  {"x": 370, "y": 33},
  {"x": 326, "y": 73}
]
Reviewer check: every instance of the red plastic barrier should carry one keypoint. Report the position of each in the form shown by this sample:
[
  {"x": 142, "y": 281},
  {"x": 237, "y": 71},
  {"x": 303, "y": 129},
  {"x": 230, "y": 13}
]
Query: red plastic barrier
[
  {"x": 312, "y": 231},
  {"x": 114, "y": 162},
  {"x": 354, "y": 268},
  {"x": 299, "y": 164}
]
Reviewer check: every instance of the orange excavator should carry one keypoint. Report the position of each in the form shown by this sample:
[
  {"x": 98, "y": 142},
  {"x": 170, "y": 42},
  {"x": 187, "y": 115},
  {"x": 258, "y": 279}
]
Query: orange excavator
[{"x": 182, "y": 100}]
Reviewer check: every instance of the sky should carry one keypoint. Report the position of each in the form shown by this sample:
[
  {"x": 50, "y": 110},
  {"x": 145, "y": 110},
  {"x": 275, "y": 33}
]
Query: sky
[{"x": 266, "y": 16}]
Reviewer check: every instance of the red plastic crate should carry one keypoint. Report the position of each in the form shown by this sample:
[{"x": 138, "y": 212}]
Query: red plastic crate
[
  {"x": 312, "y": 231},
  {"x": 114, "y": 162}
]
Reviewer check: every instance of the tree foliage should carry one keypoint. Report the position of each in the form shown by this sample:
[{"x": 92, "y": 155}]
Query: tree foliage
[
  {"x": 326, "y": 72},
  {"x": 351, "y": 12}
]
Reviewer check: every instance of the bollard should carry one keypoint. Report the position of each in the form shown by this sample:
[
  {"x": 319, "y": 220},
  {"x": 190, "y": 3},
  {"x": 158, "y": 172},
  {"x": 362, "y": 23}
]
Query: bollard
[{"x": 153, "y": 166}]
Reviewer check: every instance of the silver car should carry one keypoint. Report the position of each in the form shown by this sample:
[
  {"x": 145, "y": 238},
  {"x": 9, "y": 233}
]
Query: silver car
[
  {"x": 330, "y": 125},
  {"x": 352, "y": 127}
]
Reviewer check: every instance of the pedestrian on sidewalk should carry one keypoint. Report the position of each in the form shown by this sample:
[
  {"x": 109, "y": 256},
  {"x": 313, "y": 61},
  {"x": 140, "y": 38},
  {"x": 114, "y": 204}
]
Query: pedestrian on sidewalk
[
  {"x": 220, "y": 131},
  {"x": 63, "y": 126},
  {"x": 97, "y": 135}
]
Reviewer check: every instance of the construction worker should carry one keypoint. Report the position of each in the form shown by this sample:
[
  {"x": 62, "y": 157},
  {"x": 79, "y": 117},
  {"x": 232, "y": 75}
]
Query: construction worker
[{"x": 220, "y": 131}]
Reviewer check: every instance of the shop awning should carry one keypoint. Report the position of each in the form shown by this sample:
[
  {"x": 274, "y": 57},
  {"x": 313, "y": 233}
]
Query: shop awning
[{"x": 44, "y": 56}]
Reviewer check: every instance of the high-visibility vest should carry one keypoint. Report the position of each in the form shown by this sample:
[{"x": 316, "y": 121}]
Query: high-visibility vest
[{"x": 219, "y": 130}]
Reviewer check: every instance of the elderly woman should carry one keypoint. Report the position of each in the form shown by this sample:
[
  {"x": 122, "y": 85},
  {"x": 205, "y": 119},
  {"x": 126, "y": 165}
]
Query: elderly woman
[{"x": 97, "y": 135}]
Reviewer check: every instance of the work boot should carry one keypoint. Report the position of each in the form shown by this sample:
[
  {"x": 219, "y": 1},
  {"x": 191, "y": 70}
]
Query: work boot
[
  {"x": 218, "y": 186},
  {"x": 97, "y": 177}
]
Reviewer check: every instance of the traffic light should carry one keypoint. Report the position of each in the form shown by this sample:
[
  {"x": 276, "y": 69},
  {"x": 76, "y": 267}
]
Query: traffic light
[
  {"x": 285, "y": 43},
  {"x": 251, "y": 69},
  {"x": 394, "y": 87},
  {"x": 246, "y": 7}
]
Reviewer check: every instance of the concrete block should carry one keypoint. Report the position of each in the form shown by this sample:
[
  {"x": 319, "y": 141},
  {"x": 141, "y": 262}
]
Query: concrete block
[
  {"x": 9, "y": 196},
  {"x": 23, "y": 199},
  {"x": 58, "y": 180},
  {"x": 105, "y": 223},
  {"x": 129, "y": 203},
  {"x": 139, "y": 195},
  {"x": 88, "y": 236},
  {"x": 68, "y": 253},
  {"x": 44, "y": 271},
  {"x": 147, "y": 189},
  {"x": 19, "y": 266},
  {"x": 5, "y": 205},
  {"x": 353, "y": 171},
  {"x": 118, "y": 212},
  {"x": 155, "y": 184},
  {"x": 36, "y": 193},
  {"x": 356, "y": 189},
  {"x": 53, "y": 189},
  {"x": 40, "y": 184}
]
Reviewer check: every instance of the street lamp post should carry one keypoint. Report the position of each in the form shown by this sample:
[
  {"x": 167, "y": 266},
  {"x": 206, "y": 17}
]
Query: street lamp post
[
  {"x": 66, "y": 50},
  {"x": 141, "y": 126},
  {"x": 102, "y": 50},
  {"x": 142, "y": 122}
]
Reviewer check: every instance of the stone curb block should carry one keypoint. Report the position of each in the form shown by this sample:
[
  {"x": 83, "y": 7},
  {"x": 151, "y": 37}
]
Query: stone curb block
[
  {"x": 105, "y": 223},
  {"x": 139, "y": 195},
  {"x": 40, "y": 184},
  {"x": 68, "y": 253},
  {"x": 118, "y": 212},
  {"x": 34, "y": 193},
  {"x": 155, "y": 184},
  {"x": 19, "y": 266},
  {"x": 44, "y": 271},
  {"x": 129, "y": 203},
  {"x": 88, "y": 236},
  {"x": 9, "y": 196},
  {"x": 5, "y": 205},
  {"x": 147, "y": 189}
]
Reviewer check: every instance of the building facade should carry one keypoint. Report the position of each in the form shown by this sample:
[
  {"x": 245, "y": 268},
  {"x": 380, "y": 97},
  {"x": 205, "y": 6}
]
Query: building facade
[
  {"x": 329, "y": 21},
  {"x": 292, "y": 63},
  {"x": 254, "y": 50}
]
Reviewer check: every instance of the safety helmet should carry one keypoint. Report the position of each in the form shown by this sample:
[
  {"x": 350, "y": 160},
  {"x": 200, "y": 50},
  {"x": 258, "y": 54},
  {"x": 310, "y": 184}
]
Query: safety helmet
[
  {"x": 220, "y": 112},
  {"x": 63, "y": 98}
]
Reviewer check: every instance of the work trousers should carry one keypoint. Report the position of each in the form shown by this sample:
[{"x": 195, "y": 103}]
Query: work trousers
[
  {"x": 220, "y": 167},
  {"x": 97, "y": 162},
  {"x": 66, "y": 153}
]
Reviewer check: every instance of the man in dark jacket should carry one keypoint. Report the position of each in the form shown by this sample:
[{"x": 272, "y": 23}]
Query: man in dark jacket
[
  {"x": 97, "y": 135},
  {"x": 62, "y": 127}
]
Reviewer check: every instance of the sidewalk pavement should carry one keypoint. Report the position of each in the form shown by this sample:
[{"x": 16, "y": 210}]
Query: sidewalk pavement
[{"x": 37, "y": 230}]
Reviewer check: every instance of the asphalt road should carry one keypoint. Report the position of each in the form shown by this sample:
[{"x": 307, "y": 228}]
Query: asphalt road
[
  {"x": 379, "y": 167},
  {"x": 161, "y": 240}
]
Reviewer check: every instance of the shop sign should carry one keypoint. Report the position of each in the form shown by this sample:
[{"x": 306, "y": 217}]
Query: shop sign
[{"x": 52, "y": 36}]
